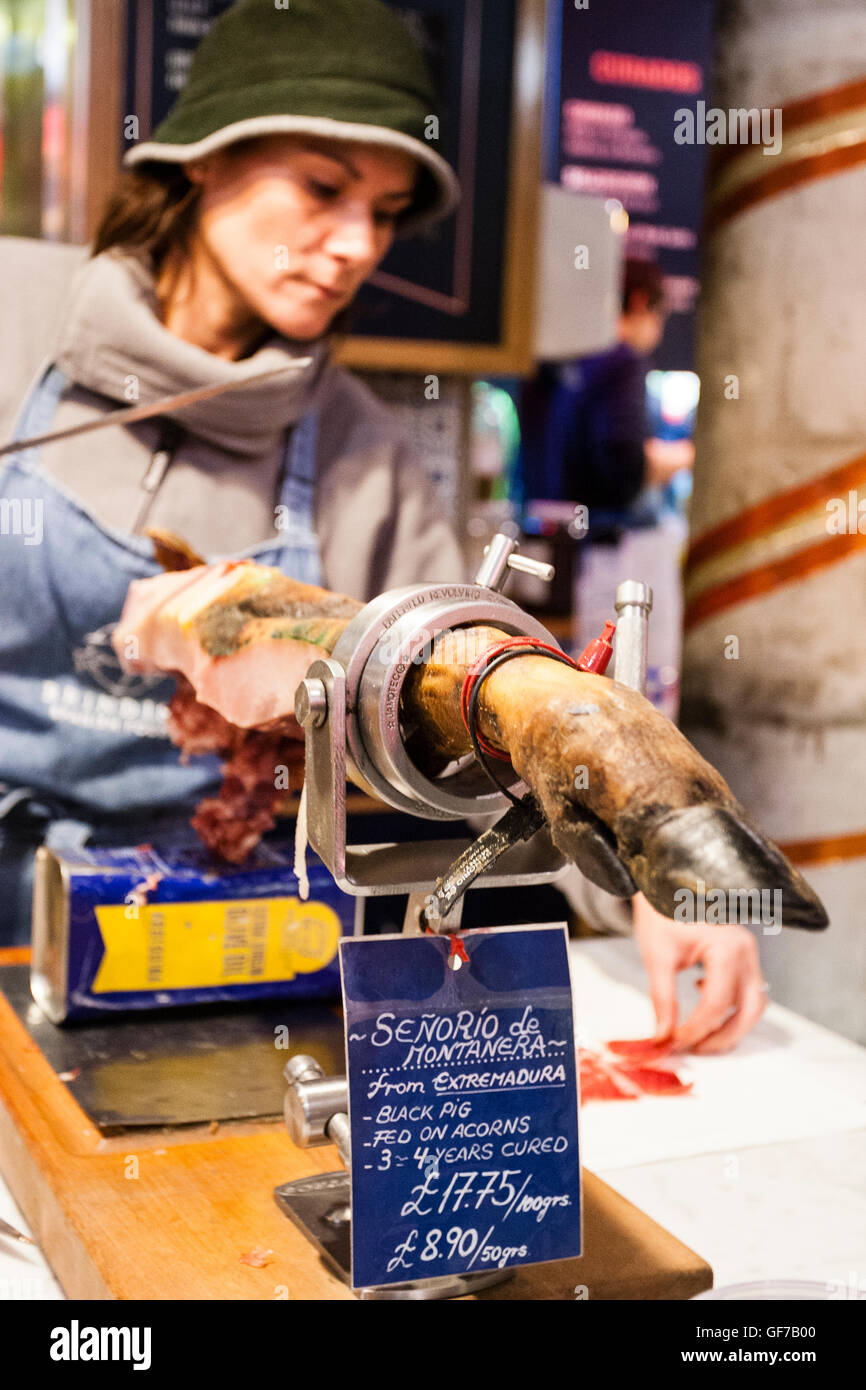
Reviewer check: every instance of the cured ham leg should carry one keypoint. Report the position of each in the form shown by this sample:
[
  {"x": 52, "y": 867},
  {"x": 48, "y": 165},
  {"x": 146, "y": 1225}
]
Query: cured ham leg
[
  {"x": 605, "y": 767},
  {"x": 602, "y": 761}
]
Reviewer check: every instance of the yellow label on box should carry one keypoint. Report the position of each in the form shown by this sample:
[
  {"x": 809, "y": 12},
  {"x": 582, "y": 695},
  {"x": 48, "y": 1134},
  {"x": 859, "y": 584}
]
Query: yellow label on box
[{"x": 196, "y": 945}]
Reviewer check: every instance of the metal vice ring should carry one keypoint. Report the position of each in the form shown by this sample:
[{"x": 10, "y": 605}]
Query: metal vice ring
[{"x": 377, "y": 652}]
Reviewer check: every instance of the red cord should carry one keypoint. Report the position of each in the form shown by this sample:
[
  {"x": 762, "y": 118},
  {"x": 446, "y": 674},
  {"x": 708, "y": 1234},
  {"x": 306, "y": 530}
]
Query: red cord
[
  {"x": 458, "y": 949},
  {"x": 476, "y": 673}
]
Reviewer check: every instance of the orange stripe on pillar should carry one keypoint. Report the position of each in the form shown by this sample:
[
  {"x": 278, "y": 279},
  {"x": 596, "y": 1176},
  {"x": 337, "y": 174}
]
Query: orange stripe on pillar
[
  {"x": 831, "y": 102},
  {"x": 764, "y": 516},
  {"x": 829, "y": 850},
  {"x": 766, "y": 578},
  {"x": 771, "y": 184}
]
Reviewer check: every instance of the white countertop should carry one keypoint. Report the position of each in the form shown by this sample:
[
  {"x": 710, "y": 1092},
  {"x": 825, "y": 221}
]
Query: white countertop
[{"x": 760, "y": 1168}]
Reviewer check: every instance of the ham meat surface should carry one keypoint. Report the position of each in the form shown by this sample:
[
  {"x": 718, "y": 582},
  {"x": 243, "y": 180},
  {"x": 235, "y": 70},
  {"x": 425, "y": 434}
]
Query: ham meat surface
[
  {"x": 247, "y": 804},
  {"x": 242, "y": 634},
  {"x": 240, "y": 638}
]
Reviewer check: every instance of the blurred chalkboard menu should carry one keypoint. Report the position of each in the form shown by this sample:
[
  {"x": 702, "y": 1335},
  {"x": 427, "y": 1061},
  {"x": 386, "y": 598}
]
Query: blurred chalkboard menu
[
  {"x": 446, "y": 286},
  {"x": 625, "y": 69},
  {"x": 161, "y": 37}
]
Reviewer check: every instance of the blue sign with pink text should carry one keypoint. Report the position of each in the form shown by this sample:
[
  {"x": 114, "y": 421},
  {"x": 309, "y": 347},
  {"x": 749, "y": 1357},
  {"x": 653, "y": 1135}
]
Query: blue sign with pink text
[{"x": 462, "y": 1103}]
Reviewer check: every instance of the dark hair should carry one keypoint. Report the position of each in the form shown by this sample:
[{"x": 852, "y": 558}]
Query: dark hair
[
  {"x": 643, "y": 278},
  {"x": 151, "y": 208}
]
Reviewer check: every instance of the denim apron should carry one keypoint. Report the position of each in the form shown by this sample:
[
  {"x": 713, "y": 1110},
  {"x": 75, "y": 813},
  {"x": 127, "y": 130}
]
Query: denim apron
[{"x": 84, "y": 752}]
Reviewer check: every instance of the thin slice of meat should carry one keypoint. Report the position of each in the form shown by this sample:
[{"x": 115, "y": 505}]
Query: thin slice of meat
[
  {"x": 658, "y": 1081},
  {"x": 599, "y": 1084},
  {"x": 607, "y": 1076},
  {"x": 640, "y": 1049}
]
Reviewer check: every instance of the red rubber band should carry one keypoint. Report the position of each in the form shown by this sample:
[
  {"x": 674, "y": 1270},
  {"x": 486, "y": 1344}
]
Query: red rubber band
[{"x": 476, "y": 673}]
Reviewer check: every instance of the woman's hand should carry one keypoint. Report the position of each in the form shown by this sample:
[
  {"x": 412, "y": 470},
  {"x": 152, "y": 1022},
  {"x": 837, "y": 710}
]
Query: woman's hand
[{"x": 734, "y": 993}]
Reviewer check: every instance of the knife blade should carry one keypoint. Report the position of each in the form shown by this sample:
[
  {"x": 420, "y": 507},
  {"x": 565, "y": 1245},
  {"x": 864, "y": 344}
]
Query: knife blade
[{"x": 7, "y": 1230}]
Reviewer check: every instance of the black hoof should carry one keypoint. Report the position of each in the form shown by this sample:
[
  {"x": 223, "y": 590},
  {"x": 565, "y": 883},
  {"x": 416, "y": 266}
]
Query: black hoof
[{"x": 710, "y": 859}]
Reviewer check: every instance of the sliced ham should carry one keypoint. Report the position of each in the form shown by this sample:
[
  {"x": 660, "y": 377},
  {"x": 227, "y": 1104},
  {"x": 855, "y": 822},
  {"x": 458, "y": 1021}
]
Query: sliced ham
[
  {"x": 640, "y": 1050},
  {"x": 658, "y": 1081},
  {"x": 597, "y": 1085},
  {"x": 608, "y": 1074}
]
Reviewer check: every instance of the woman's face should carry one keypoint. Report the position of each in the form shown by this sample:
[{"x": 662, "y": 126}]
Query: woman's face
[{"x": 294, "y": 225}]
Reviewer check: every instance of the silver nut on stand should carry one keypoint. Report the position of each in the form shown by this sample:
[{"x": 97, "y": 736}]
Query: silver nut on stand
[
  {"x": 633, "y": 592},
  {"x": 302, "y": 1068},
  {"x": 312, "y": 1101},
  {"x": 311, "y": 703}
]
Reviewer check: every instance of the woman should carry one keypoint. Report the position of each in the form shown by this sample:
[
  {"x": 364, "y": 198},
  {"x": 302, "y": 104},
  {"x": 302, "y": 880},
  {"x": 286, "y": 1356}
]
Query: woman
[
  {"x": 295, "y": 154},
  {"x": 231, "y": 250}
]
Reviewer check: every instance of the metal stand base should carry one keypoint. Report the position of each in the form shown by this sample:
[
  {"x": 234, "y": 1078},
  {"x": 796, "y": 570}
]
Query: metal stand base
[{"x": 321, "y": 1208}]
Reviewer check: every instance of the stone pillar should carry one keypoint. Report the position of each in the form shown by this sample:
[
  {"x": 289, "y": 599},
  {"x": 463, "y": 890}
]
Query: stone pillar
[{"x": 774, "y": 667}]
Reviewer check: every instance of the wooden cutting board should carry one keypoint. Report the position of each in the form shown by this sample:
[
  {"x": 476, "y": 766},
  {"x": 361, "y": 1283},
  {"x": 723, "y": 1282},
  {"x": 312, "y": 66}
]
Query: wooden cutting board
[{"x": 168, "y": 1213}]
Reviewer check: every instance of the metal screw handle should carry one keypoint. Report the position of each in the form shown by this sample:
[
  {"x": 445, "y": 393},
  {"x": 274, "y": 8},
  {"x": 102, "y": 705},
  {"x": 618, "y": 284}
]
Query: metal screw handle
[
  {"x": 540, "y": 568},
  {"x": 499, "y": 557},
  {"x": 302, "y": 1068}
]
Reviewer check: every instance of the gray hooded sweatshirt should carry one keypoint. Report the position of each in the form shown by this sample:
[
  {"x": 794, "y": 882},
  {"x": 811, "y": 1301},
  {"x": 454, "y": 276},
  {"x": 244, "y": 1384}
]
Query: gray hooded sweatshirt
[{"x": 376, "y": 513}]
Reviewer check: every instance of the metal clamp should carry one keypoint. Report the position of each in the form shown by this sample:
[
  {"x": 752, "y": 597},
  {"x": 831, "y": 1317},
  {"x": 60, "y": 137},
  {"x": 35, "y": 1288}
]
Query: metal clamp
[
  {"x": 349, "y": 706},
  {"x": 321, "y": 1205},
  {"x": 376, "y": 870},
  {"x": 378, "y": 651}
]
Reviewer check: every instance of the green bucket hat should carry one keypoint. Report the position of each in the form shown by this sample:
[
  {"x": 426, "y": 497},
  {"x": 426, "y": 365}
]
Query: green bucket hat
[{"x": 342, "y": 69}]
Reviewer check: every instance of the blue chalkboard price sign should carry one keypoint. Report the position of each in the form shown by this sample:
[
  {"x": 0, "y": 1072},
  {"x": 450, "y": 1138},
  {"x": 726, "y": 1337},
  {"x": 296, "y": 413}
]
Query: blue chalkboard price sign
[{"x": 462, "y": 1104}]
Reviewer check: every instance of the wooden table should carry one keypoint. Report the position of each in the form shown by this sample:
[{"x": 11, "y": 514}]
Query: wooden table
[{"x": 167, "y": 1214}]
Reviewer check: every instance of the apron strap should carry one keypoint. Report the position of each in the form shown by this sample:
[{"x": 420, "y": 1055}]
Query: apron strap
[
  {"x": 299, "y": 449},
  {"x": 40, "y": 405},
  {"x": 10, "y": 797},
  {"x": 299, "y": 471},
  {"x": 31, "y": 808}
]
